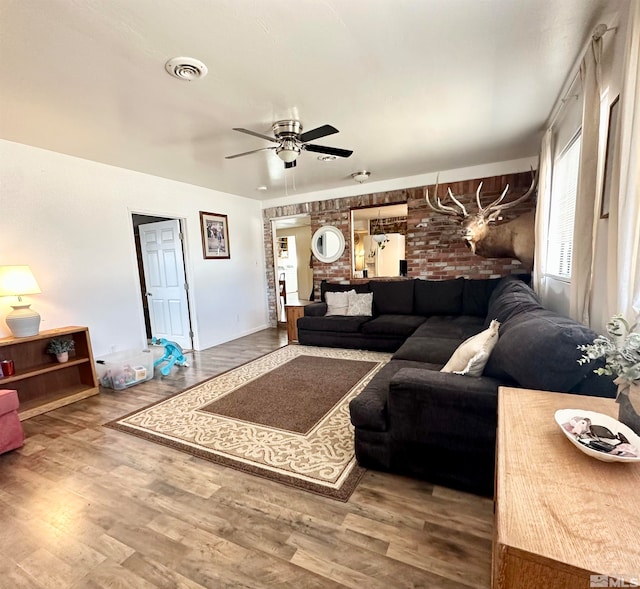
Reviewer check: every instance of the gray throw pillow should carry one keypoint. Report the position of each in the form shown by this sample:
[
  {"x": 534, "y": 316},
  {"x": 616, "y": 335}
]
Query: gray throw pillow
[{"x": 360, "y": 304}]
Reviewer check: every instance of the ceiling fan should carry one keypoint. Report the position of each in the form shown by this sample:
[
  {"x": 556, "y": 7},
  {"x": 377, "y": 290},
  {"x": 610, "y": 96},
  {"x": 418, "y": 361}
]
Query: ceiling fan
[{"x": 292, "y": 141}]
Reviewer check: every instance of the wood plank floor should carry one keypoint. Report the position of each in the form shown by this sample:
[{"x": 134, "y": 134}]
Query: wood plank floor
[{"x": 83, "y": 506}]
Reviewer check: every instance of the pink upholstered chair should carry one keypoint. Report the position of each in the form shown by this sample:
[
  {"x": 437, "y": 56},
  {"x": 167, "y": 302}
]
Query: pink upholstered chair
[{"x": 11, "y": 434}]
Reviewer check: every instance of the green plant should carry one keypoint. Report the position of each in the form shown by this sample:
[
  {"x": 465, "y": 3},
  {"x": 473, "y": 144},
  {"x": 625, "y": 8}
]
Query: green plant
[
  {"x": 58, "y": 345},
  {"x": 621, "y": 350}
]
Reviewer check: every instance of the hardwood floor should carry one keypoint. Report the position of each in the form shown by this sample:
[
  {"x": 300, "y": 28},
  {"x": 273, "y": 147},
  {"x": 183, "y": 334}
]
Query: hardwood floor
[{"x": 83, "y": 506}]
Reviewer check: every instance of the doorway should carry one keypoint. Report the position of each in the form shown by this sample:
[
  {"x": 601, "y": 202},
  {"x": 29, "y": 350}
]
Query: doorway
[
  {"x": 292, "y": 261},
  {"x": 163, "y": 284}
]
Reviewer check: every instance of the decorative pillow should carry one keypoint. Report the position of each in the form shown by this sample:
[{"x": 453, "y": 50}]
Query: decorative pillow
[
  {"x": 337, "y": 302},
  {"x": 360, "y": 304},
  {"x": 472, "y": 354}
]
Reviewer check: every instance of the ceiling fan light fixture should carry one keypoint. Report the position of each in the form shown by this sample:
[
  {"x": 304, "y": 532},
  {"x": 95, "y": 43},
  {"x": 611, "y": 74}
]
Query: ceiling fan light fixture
[
  {"x": 288, "y": 151},
  {"x": 361, "y": 176}
]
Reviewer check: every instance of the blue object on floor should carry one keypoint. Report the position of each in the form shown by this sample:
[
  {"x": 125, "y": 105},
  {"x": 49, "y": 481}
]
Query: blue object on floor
[{"x": 172, "y": 355}]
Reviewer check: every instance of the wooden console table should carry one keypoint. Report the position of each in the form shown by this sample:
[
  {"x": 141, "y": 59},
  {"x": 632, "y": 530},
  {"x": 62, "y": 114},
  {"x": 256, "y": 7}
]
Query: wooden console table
[
  {"x": 560, "y": 515},
  {"x": 42, "y": 383}
]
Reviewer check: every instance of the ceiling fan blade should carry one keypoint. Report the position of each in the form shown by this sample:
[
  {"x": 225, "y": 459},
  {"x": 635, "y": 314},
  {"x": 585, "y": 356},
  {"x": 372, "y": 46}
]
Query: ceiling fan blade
[
  {"x": 249, "y": 132},
  {"x": 327, "y": 150},
  {"x": 230, "y": 157},
  {"x": 290, "y": 164},
  {"x": 317, "y": 133}
]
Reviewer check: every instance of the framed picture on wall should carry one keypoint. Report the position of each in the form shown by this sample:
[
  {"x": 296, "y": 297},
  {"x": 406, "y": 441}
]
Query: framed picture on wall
[
  {"x": 215, "y": 236},
  {"x": 608, "y": 160}
]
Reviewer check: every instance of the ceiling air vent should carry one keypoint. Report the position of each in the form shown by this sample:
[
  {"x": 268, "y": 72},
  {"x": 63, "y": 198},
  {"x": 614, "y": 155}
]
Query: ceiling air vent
[{"x": 186, "y": 68}]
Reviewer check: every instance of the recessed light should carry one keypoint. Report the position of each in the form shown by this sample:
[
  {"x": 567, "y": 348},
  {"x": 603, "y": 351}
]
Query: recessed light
[
  {"x": 361, "y": 176},
  {"x": 261, "y": 188},
  {"x": 327, "y": 158}
]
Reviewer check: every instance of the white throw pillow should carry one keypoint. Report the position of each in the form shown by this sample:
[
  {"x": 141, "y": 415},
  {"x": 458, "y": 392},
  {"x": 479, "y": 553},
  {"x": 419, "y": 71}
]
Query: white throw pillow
[
  {"x": 473, "y": 354},
  {"x": 360, "y": 303},
  {"x": 337, "y": 302}
]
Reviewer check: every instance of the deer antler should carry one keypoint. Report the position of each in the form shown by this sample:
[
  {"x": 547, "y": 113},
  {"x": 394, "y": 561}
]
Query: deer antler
[
  {"x": 495, "y": 207},
  {"x": 444, "y": 209},
  {"x": 496, "y": 202}
]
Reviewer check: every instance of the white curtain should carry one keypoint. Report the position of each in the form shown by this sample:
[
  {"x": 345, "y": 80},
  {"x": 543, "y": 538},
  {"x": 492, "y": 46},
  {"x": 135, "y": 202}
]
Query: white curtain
[
  {"x": 542, "y": 209},
  {"x": 587, "y": 196},
  {"x": 623, "y": 263}
]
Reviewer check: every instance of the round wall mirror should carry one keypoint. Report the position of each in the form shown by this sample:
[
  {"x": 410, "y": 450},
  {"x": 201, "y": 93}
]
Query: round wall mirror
[{"x": 327, "y": 244}]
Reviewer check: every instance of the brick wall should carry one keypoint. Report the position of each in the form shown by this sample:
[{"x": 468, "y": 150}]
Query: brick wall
[{"x": 435, "y": 251}]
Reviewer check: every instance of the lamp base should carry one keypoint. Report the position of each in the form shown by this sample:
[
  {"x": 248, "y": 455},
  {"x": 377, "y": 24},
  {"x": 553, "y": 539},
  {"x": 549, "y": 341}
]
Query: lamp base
[{"x": 23, "y": 321}]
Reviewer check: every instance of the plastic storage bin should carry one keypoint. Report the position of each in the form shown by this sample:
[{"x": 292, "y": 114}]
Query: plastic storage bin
[{"x": 122, "y": 370}]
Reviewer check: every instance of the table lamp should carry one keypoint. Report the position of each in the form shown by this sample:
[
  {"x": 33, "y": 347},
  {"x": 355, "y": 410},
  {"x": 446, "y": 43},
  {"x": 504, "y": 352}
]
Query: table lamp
[{"x": 18, "y": 281}]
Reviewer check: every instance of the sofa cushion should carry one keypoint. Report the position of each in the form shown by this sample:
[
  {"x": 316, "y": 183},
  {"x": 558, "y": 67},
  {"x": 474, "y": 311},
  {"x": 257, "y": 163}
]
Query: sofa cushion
[
  {"x": 332, "y": 323},
  {"x": 315, "y": 309},
  {"x": 505, "y": 284},
  {"x": 539, "y": 351},
  {"x": 8, "y": 401},
  {"x": 432, "y": 349},
  {"x": 457, "y": 327},
  {"x": 326, "y": 287},
  {"x": 369, "y": 409},
  {"x": 394, "y": 297},
  {"x": 403, "y": 325},
  {"x": 338, "y": 302},
  {"x": 360, "y": 303},
  {"x": 515, "y": 297},
  {"x": 475, "y": 296},
  {"x": 438, "y": 297},
  {"x": 471, "y": 356}
]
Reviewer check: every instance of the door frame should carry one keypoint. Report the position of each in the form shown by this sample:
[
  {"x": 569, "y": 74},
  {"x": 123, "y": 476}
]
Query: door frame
[
  {"x": 274, "y": 249},
  {"x": 186, "y": 269}
]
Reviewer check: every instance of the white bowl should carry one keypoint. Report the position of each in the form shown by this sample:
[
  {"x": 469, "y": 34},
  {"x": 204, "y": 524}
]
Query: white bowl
[{"x": 564, "y": 416}]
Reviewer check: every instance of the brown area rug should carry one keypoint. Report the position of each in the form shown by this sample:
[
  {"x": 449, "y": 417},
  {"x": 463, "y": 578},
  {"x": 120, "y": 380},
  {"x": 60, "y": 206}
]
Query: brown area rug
[{"x": 284, "y": 416}]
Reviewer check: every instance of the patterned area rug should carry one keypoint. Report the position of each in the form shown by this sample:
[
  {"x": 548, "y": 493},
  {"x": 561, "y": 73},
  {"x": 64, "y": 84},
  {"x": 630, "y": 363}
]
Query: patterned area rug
[{"x": 284, "y": 416}]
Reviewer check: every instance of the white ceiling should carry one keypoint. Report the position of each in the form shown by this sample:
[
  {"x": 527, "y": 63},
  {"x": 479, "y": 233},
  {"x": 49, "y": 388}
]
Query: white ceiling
[{"x": 414, "y": 86}]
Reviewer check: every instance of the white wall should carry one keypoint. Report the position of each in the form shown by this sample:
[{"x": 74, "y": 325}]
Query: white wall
[{"x": 70, "y": 220}]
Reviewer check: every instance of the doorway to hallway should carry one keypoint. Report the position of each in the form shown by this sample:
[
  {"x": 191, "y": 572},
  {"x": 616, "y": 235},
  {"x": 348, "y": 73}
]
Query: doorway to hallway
[
  {"x": 163, "y": 283},
  {"x": 292, "y": 261}
]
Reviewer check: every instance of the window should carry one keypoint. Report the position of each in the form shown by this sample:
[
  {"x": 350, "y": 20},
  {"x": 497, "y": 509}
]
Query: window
[{"x": 562, "y": 210}]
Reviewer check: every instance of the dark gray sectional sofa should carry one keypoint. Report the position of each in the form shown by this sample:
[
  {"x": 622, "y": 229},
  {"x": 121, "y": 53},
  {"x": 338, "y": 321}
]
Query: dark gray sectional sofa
[{"x": 413, "y": 419}]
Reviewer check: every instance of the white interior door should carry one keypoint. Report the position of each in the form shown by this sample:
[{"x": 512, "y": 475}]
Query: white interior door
[{"x": 163, "y": 264}]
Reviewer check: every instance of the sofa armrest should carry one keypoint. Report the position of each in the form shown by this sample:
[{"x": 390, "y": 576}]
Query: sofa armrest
[
  {"x": 442, "y": 410},
  {"x": 315, "y": 310}
]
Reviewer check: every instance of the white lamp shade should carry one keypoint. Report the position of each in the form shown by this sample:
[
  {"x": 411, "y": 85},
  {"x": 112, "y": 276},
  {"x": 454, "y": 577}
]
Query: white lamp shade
[{"x": 17, "y": 281}]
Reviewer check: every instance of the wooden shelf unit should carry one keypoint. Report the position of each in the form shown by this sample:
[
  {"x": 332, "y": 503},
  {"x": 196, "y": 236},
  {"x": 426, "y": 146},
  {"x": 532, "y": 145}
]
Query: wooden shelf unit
[{"x": 43, "y": 384}]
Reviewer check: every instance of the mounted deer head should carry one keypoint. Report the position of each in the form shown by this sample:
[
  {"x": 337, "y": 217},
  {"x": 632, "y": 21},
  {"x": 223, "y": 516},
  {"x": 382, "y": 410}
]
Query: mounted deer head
[{"x": 514, "y": 239}]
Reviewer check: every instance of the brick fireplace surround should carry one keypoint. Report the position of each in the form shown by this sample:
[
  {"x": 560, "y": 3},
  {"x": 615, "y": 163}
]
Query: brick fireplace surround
[{"x": 435, "y": 251}]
